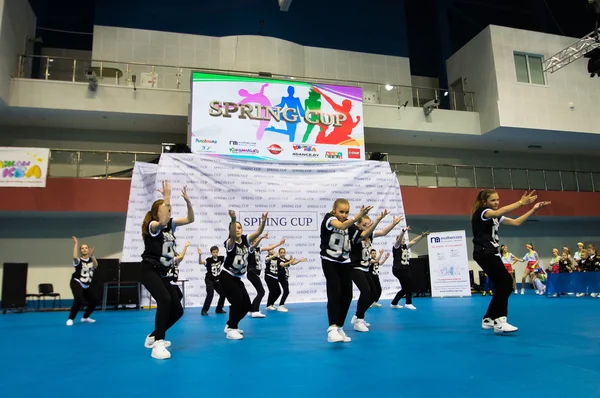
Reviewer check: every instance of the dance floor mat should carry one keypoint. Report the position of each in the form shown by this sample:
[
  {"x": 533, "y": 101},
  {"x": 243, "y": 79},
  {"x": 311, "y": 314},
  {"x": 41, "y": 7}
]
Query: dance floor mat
[{"x": 439, "y": 350}]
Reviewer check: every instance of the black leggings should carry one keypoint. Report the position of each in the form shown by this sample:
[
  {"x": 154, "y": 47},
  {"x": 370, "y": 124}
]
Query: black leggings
[
  {"x": 285, "y": 286},
  {"x": 492, "y": 265},
  {"x": 254, "y": 278},
  {"x": 211, "y": 287},
  {"x": 274, "y": 290},
  {"x": 365, "y": 284},
  {"x": 238, "y": 297},
  {"x": 338, "y": 278},
  {"x": 406, "y": 285},
  {"x": 79, "y": 294},
  {"x": 378, "y": 289},
  {"x": 168, "y": 300}
]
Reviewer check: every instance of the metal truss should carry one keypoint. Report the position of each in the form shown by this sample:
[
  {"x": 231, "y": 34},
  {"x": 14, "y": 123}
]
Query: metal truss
[{"x": 572, "y": 53}]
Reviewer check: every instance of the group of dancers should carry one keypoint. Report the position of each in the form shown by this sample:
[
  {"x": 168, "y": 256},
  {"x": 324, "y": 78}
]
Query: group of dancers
[{"x": 346, "y": 256}]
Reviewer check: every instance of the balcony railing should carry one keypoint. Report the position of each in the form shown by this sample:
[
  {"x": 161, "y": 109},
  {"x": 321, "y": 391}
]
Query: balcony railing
[
  {"x": 179, "y": 78},
  {"x": 463, "y": 176},
  {"x": 115, "y": 164}
]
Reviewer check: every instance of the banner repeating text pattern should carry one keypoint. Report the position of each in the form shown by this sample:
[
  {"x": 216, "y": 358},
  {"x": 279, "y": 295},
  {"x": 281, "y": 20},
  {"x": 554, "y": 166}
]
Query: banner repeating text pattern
[{"x": 297, "y": 196}]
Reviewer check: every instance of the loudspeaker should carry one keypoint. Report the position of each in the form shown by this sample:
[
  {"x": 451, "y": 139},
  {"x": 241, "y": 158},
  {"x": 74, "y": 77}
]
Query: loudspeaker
[
  {"x": 107, "y": 271},
  {"x": 14, "y": 286},
  {"x": 130, "y": 272},
  {"x": 419, "y": 272}
]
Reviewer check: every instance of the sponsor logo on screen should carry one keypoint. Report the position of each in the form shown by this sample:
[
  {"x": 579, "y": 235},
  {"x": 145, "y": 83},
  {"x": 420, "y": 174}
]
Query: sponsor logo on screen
[
  {"x": 353, "y": 153},
  {"x": 334, "y": 155},
  {"x": 275, "y": 149}
]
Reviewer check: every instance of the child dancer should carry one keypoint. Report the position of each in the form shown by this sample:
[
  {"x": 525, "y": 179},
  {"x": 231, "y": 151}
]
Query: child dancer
[
  {"x": 401, "y": 253},
  {"x": 85, "y": 264},
  {"x": 284, "y": 275},
  {"x": 159, "y": 268},
  {"x": 360, "y": 252},
  {"x": 486, "y": 217},
  {"x": 235, "y": 266},
  {"x": 533, "y": 260},
  {"x": 554, "y": 262},
  {"x": 254, "y": 269},
  {"x": 273, "y": 265},
  {"x": 335, "y": 258},
  {"x": 375, "y": 263},
  {"x": 178, "y": 259},
  {"x": 509, "y": 260},
  {"x": 214, "y": 265}
]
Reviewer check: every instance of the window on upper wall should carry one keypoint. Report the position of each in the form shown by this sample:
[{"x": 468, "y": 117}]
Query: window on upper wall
[{"x": 529, "y": 68}]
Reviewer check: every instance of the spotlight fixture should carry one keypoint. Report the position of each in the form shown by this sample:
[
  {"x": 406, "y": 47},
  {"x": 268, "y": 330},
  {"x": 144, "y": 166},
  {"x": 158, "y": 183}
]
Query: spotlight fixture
[
  {"x": 90, "y": 75},
  {"x": 389, "y": 87},
  {"x": 430, "y": 106}
]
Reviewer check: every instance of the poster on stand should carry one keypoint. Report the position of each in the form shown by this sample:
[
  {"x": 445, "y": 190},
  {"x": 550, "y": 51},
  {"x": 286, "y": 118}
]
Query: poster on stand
[{"x": 449, "y": 264}]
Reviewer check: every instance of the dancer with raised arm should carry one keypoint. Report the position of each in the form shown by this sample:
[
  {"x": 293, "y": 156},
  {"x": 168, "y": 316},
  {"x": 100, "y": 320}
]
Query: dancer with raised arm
[
  {"x": 335, "y": 260},
  {"x": 486, "y": 217},
  {"x": 234, "y": 268},
  {"x": 400, "y": 268},
  {"x": 159, "y": 267},
  {"x": 85, "y": 264},
  {"x": 254, "y": 270},
  {"x": 376, "y": 262}
]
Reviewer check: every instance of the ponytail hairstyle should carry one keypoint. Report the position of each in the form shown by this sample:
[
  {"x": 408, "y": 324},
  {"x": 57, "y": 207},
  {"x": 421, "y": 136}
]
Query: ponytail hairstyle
[
  {"x": 481, "y": 200},
  {"x": 502, "y": 247},
  {"x": 531, "y": 245},
  {"x": 152, "y": 215},
  {"x": 338, "y": 202}
]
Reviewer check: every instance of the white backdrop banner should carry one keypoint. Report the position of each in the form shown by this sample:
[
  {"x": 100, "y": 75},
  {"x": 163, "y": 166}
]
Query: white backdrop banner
[
  {"x": 297, "y": 196},
  {"x": 449, "y": 264},
  {"x": 23, "y": 167}
]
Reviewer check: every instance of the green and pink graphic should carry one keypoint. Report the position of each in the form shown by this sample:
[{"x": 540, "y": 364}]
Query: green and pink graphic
[{"x": 258, "y": 112}]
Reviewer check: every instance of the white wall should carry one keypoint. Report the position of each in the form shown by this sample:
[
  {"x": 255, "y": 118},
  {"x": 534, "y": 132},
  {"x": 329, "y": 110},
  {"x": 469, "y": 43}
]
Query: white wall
[
  {"x": 243, "y": 53},
  {"x": 44, "y": 241},
  {"x": 475, "y": 64},
  {"x": 544, "y": 107},
  {"x": 545, "y": 234},
  {"x": 17, "y": 23}
]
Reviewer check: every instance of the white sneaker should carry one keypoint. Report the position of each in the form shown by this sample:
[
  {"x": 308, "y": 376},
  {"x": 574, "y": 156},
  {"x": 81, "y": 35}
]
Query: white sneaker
[
  {"x": 396, "y": 306},
  {"x": 375, "y": 304},
  {"x": 354, "y": 319},
  {"x": 87, "y": 320},
  {"x": 580, "y": 294},
  {"x": 593, "y": 295},
  {"x": 281, "y": 308},
  {"x": 516, "y": 291},
  {"x": 150, "y": 341},
  {"x": 410, "y": 307},
  {"x": 360, "y": 326},
  {"x": 159, "y": 351},
  {"x": 228, "y": 329},
  {"x": 70, "y": 322},
  {"x": 344, "y": 336},
  {"x": 271, "y": 308},
  {"x": 258, "y": 315},
  {"x": 522, "y": 291},
  {"x": 333, "y": 335},
  {"x": 234, "y": 334},
  {"x": 487, "y": 323},
  {"x": 501, "y": 326}
]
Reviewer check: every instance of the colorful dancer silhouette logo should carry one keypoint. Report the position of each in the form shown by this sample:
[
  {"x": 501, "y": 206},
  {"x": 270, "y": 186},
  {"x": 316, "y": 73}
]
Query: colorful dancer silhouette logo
[
  {"x": 261, "y": 99},
  {"x": 340, "y": 135},
  {"x": 313, "y": 103},
  {"x": 289, "y": 102}
]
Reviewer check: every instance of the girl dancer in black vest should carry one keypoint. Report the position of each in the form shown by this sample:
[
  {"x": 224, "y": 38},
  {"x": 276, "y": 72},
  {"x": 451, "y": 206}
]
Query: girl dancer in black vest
[
  {"x": 401, "y": 252},
  {"x": 159, "y": 267},
  {"x": 236, "y": 263},
  {"x": 486, "y": 217},
  {"x": 85, "y": 264},
  {"x": 254, "y": 270},
  {"x": 375, "y": 263}
]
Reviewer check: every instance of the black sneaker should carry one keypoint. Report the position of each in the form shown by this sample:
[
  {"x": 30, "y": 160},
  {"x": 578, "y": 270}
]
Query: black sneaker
[
  {"x": 221, "y": 311},
  {"x": 204, "y": 313}
]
